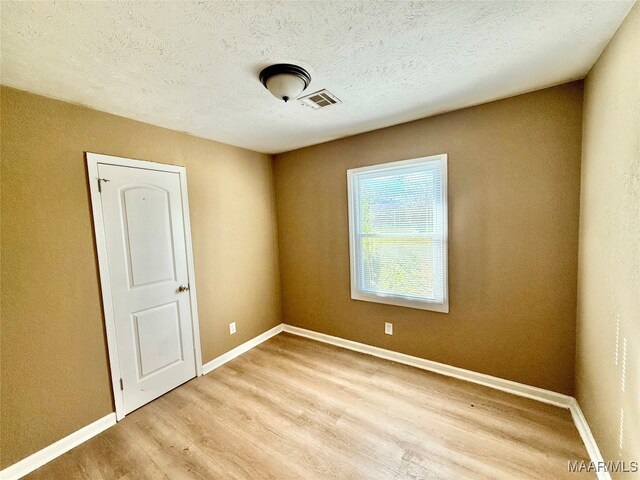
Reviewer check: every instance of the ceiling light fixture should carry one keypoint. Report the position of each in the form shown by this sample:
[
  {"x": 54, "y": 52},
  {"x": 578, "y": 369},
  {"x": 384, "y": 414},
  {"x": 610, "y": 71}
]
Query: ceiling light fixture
[{"x": 285, "y": 81}]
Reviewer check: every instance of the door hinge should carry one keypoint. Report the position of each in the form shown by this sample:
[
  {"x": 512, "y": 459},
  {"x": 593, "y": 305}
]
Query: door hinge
[
  {"x": 100, "y": 180},
  {"x": 121, "y": 385}
]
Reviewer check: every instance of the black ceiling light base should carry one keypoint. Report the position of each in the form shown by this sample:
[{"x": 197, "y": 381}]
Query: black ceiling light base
[{"x": 284, "y": 68}]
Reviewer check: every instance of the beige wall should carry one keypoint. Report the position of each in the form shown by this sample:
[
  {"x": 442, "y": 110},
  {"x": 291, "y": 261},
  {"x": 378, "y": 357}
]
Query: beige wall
[
  {"x": 514, "y": 175},
  {"x": 609, "y": 260},
  {"x": 54, "y": 361}
]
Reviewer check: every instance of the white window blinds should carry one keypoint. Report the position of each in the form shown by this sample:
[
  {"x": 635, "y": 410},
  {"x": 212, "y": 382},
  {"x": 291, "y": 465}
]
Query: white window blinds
[{"x": 398, "y": 230}]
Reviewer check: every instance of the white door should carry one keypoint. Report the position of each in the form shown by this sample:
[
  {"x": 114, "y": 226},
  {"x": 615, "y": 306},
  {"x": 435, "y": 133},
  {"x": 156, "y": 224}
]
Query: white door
[{"x": 147, "y": 259}]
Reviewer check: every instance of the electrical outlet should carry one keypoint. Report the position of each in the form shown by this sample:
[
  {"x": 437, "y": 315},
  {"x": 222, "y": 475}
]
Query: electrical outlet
[
  {"x": 232, "y": 328},
  {"x": 388, "y": 328}
]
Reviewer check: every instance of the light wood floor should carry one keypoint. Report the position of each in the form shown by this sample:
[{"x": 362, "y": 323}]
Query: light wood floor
[{"x": 293, "y": 408}]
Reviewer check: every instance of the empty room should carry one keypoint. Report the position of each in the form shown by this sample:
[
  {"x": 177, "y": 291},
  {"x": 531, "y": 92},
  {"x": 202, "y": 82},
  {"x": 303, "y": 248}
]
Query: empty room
[{"x": 320, "y": 240}]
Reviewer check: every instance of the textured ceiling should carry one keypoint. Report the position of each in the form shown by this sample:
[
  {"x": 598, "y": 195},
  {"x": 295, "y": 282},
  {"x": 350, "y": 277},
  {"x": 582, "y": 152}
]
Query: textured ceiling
[{"x": 193, "y": 66}]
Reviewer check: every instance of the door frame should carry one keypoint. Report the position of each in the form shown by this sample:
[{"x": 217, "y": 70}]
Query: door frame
[{"x": 93, "y": 159}]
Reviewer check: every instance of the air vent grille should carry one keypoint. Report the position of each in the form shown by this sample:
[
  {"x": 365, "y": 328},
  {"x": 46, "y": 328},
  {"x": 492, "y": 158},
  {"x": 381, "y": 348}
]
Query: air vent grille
[{"x": 319, "y": 99}]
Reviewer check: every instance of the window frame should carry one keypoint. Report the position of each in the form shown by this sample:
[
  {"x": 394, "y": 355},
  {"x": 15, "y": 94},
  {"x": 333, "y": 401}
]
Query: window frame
[{"x": 398, "y": 300}]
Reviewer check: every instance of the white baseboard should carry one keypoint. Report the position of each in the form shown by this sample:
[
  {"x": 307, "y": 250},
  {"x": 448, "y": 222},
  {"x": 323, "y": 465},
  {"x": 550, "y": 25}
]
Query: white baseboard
[
  {"x": 587, "y": 437},
  {"x": 36, "y": 460},
  {"x": 240, "y": 349},
  {"x": 535, "y": 393}
]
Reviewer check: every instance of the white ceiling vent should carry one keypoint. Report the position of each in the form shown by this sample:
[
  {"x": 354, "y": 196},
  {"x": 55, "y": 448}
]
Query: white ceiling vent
[{"x": 319, "y": 99}]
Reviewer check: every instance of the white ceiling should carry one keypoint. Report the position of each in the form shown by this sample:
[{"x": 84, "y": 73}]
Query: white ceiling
[{"x": 193, "y": 66}]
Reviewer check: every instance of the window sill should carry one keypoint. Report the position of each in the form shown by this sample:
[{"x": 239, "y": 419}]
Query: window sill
[{"x": 401, "y": 301}]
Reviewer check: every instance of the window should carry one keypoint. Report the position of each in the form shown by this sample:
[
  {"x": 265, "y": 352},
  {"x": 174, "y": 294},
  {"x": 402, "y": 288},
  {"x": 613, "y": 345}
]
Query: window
[{"x": 398, "y": 233}]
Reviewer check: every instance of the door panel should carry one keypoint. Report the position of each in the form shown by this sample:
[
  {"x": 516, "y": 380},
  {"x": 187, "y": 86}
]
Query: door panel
[
  {"x": 148, "y": 228},
  {"x": 147, "y": 258},
  {"x": 157, "y": 338}
]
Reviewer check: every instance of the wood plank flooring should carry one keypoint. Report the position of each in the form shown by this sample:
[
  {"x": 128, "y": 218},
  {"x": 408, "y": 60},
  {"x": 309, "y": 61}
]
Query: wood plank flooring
[{"x": 293, "y": 408}]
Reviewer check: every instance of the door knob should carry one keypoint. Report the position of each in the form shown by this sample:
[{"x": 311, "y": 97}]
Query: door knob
[{"x": 183, "y": 288}]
